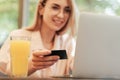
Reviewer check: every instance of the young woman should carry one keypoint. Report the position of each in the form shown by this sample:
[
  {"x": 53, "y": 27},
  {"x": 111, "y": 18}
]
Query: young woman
[{"x": 53, "y": 19}]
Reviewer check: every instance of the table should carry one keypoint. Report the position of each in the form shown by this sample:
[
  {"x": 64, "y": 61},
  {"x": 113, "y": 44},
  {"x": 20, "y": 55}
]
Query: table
[
  {"x": 52, "y": 78},
  {"x": 5, "y": 77}
]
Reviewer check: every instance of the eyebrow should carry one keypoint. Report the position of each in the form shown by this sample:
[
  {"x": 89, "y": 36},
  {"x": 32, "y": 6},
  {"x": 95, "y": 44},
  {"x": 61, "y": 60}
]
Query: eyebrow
[
  {"x": 59, "y": 5},
  {"x": 55, "y": 4}
]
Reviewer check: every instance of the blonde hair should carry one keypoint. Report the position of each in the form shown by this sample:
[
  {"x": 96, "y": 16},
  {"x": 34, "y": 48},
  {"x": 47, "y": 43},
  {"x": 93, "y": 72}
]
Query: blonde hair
[{"x": 71, "y": 24}]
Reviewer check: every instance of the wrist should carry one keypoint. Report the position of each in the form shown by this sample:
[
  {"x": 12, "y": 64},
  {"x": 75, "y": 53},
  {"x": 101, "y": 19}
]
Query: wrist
[{"x": 30, "y": 67}]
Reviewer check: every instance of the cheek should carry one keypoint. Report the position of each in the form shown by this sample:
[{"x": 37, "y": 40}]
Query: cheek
[
  {"x": 67, "y": 17},
  {"x": 48, "y": 14}
]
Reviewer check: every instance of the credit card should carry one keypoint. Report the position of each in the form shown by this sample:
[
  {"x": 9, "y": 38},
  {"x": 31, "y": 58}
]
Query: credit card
[{"x": 61, "y": 53}]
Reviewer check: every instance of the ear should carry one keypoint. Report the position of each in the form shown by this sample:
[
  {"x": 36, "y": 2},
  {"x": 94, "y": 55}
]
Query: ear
[{"x": 41, "y": 12}]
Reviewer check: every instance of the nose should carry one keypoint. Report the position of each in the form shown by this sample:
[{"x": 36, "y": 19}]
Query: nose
[{"x": 61, "y": 14}]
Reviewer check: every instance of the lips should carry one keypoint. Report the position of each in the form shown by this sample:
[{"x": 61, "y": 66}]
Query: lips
[{"x": 58, "y": 22}]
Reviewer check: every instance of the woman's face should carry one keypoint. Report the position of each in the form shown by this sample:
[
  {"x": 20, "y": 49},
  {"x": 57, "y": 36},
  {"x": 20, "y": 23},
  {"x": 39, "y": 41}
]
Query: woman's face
[{"x": 56, "y": 14}]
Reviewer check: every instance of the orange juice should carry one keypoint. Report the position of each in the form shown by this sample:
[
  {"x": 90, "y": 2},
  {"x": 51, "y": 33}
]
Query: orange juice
[{"x": 20, "y": 50}]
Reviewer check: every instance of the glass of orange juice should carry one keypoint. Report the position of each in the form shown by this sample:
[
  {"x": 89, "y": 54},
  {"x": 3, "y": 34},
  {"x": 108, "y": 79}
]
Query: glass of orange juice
[{"x": 19, "y": 53}]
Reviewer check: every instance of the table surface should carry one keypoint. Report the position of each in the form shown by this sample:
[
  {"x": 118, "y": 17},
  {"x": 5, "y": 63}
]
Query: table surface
[
  {"x": 5, "y": 77},
  {"x": 50, "y": 79},
  {"x": 53, "y": 78}
]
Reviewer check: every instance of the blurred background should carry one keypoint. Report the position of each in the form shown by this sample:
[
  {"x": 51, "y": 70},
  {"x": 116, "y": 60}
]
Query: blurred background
[{"x": 15, "y": 14}]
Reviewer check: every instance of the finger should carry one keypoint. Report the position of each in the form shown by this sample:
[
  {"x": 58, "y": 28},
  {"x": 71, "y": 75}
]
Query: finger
[
  {"x": 44, "y": 63},
  {"x": 45, "y": 59},
  {"x": 39, "y": 53},
  {"x": 39, "y": 67}
]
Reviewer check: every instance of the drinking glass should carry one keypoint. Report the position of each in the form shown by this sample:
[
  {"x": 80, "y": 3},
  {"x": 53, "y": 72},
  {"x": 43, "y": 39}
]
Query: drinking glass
[{"x": 19, "y": 53}]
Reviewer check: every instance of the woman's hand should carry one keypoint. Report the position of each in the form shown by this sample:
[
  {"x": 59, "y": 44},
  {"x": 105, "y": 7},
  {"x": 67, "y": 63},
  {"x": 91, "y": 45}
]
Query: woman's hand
[{"x": 40, "y": 60}]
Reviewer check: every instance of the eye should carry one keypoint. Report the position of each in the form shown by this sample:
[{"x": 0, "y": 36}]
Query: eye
[
  {"x": 67, "y": 10},
  {"x": 55, "y": 7}
]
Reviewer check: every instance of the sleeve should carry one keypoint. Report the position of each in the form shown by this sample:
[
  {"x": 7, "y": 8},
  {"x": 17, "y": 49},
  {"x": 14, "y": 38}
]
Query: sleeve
[
  {"x": 4, "y": 55},
  {"x": 70, "y": 44}
]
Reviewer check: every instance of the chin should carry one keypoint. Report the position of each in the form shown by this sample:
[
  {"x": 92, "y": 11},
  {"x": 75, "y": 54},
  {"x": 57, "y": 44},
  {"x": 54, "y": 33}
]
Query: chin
[{"x": 59, "y": 27}]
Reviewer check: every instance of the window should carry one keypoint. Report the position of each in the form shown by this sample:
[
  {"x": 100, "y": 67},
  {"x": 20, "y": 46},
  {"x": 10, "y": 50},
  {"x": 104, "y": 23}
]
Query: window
[
  {"x": 8, "y": 18},
  {"x": 32, "y": 9},
  {"x": 109, "y": 7}
]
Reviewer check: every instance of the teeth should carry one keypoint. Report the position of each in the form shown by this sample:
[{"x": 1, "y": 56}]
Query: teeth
[{"x": 58, "y": 22}]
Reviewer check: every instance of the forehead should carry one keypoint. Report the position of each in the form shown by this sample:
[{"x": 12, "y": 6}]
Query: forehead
[{"x": 59, "y": 2}]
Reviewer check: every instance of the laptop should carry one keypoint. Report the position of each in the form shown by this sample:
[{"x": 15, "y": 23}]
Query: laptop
[{"x": 97, "y": 52}]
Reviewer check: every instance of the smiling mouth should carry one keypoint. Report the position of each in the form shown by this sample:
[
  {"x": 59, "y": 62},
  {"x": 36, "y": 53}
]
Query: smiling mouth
[{"x": 58, "y": 22}]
